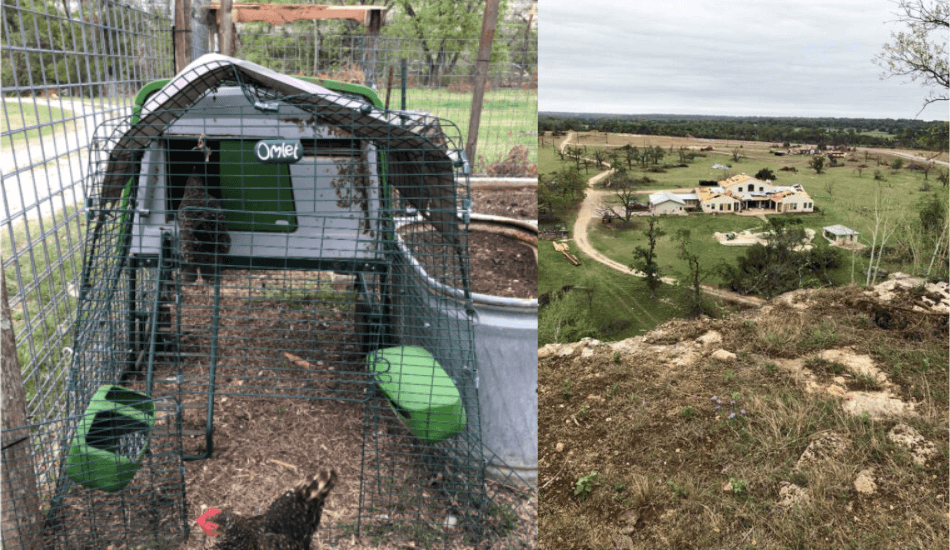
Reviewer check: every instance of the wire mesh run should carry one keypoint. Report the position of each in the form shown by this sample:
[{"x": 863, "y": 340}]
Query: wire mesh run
[
  {"x": 116, "y": 477},
  {"x": 261, "y": 237}
]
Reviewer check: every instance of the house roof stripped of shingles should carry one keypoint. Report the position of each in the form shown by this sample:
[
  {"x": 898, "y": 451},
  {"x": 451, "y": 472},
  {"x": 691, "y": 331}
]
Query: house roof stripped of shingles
[
  {"x": 729, "y": 182},
  {"x": 665, "y": 196},
  {"x": 840, "y": 230}
]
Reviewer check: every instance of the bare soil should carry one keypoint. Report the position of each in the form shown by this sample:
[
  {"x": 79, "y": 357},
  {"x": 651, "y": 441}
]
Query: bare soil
[
  {"x": 502, "y": 266},
  {"x": 520, "y": 203},
  {"x": 288, "y": 336}
]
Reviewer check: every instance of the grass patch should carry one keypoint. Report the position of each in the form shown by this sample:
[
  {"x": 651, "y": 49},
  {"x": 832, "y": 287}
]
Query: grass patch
[
  {"x": 509, "y": 117},
  {"x": 40, "y": 261},
  {"x": 618, "y": 308},
  {"x": 15, "y": 115}
]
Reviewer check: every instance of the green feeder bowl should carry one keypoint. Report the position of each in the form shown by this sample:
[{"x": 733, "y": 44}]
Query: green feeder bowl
[
  {"x": 111, "y": 439},
  {"x": 420, "y": 392}
]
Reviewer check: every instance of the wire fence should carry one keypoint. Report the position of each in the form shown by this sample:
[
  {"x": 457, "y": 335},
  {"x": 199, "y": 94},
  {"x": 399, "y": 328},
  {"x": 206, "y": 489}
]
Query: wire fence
[
  {"x": 431, "y": 74},
  {"x": 62, "y": 75}
]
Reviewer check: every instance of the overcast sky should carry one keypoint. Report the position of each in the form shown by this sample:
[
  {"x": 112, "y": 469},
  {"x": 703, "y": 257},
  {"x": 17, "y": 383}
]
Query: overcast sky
[{"x": 741, "y": 58}]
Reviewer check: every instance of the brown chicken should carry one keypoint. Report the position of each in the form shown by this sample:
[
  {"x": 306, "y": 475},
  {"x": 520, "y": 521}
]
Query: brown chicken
[
  {"x": 289, "y": 523},
  {"x": 204, "y": 232}
]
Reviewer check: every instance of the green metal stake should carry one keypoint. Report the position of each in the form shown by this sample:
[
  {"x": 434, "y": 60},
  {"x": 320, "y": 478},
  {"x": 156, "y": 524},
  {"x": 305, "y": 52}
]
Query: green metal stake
[{"x": 403, "y": 67}]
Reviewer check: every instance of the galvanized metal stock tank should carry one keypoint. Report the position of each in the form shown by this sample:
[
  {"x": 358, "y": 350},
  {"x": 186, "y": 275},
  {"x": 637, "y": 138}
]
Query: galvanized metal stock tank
[{"x": 506, "y": 347}]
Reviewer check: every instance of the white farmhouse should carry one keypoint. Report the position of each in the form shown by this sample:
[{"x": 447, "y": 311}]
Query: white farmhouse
[
  {"x": 792, "y": 200},
  {"x": 717, "y": 200}
]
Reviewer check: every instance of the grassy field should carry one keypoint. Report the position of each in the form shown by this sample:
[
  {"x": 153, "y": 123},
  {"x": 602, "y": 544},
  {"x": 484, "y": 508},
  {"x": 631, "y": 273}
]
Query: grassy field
[
  {"x": 509, "y": 117},
  {"x": 620, "y": 306},
  {"x": 23, "y": 114},
  {"x": 842, "y": 195}
]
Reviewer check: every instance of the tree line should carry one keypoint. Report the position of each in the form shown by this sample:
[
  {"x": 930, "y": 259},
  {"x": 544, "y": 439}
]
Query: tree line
[{"x": 864, "y": 132}]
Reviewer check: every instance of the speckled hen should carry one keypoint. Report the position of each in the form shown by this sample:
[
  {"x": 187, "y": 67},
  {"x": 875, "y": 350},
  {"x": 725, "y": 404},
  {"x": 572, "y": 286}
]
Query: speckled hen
[
  {"x": 204, "y": 232},
  {"x": 289, "y": 523}
]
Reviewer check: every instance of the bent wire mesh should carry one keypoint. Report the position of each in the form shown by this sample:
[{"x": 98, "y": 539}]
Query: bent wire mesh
[{"x": 259, "y": 236}]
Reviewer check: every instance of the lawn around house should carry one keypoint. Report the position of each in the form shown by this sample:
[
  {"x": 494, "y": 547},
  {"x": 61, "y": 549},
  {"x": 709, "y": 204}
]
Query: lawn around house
[{"x": 621, "y": 306}]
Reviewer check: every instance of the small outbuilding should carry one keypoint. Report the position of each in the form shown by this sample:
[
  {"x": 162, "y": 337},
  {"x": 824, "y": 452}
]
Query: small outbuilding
[
  {"x": 665, "y": 202},
  {"x": 840, "y": 235}
]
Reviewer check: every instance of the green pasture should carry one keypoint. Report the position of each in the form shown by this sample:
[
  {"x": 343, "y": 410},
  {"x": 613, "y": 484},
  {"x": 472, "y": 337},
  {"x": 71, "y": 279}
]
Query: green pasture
[
  {"x": 620, "y": 307},
  {"x": 509, "y": 117},
  {"x": 15, "y": 114}
]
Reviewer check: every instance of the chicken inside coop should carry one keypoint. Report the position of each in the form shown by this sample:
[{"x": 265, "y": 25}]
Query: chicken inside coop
[{"x": 203, "y": 231}]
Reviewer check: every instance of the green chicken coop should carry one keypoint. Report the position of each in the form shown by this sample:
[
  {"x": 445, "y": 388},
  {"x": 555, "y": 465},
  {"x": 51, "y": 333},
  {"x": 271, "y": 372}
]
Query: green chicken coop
[{"x": 242, "y": 240}]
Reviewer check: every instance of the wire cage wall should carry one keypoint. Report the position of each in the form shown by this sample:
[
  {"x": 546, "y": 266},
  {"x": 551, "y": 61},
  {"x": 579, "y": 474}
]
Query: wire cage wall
[
  {"x": 256, "y": 235},
  {"x": 439, "y": 76},
  {"x": 117, "y": 479}
]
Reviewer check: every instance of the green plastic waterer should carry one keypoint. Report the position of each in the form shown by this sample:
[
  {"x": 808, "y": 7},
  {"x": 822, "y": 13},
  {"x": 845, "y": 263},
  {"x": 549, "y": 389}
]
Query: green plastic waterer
[
  {"x": 111, "y": 438},
  {"x": 420, "y": 392}
]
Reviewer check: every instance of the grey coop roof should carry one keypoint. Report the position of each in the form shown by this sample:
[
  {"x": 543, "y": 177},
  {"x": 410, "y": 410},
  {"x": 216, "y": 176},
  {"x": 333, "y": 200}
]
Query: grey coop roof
[{"x": 422, "y": 167}]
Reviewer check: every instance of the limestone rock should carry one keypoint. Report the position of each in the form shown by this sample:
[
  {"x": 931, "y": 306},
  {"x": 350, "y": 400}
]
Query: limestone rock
[
  {"x": 864, "y": 483},
  {"x": 877, "y": 405},
  {"x": 724, "y": 356},
  {"x": 711, "y": 338},
  {"x": 826, "y": 446},
  {"x": 920, "y": 449},
  {"x": 793, "y": 495}
]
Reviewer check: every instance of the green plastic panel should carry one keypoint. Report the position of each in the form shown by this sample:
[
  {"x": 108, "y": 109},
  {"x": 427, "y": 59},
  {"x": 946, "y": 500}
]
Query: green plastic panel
[
  {"x": 258, "y": 191},
  {"x": 420, "y": 392},
  {"x": 94, "y": 458}
]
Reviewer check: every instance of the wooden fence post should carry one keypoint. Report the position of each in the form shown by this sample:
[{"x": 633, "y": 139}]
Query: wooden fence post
[
  {"x": 226, "y": 28},
  {"x": 183, "y": 46},
  {"x": 21, "y": 521},
  {"x": 481, "y": 76}
]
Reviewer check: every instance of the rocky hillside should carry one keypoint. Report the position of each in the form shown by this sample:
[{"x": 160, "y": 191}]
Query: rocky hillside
[{"x": 817, "y": 421}]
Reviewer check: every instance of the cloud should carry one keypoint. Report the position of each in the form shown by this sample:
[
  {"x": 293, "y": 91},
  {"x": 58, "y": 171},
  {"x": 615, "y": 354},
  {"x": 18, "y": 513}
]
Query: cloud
[{"x": 691, "y": 57}]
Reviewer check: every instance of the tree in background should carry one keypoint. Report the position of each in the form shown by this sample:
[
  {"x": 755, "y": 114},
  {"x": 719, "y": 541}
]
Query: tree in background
[
  {"x": 765, "y": 174},
  {"x": 442, "y": 27},
  {"x": 818, "y": 163},
  {"x": 694, "y": 304},
  {"x": 645, "y": 257},
  {"x": 781, "y": 265},
  {"x": 920, "y": 51}
]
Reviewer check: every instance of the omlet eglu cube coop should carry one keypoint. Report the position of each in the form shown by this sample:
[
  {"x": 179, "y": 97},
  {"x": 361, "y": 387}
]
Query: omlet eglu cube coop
[{"x": 261, "y": 236}]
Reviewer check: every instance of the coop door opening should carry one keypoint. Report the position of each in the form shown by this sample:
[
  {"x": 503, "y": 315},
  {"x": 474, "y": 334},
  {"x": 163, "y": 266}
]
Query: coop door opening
[{"x": 258, "y": 197}]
